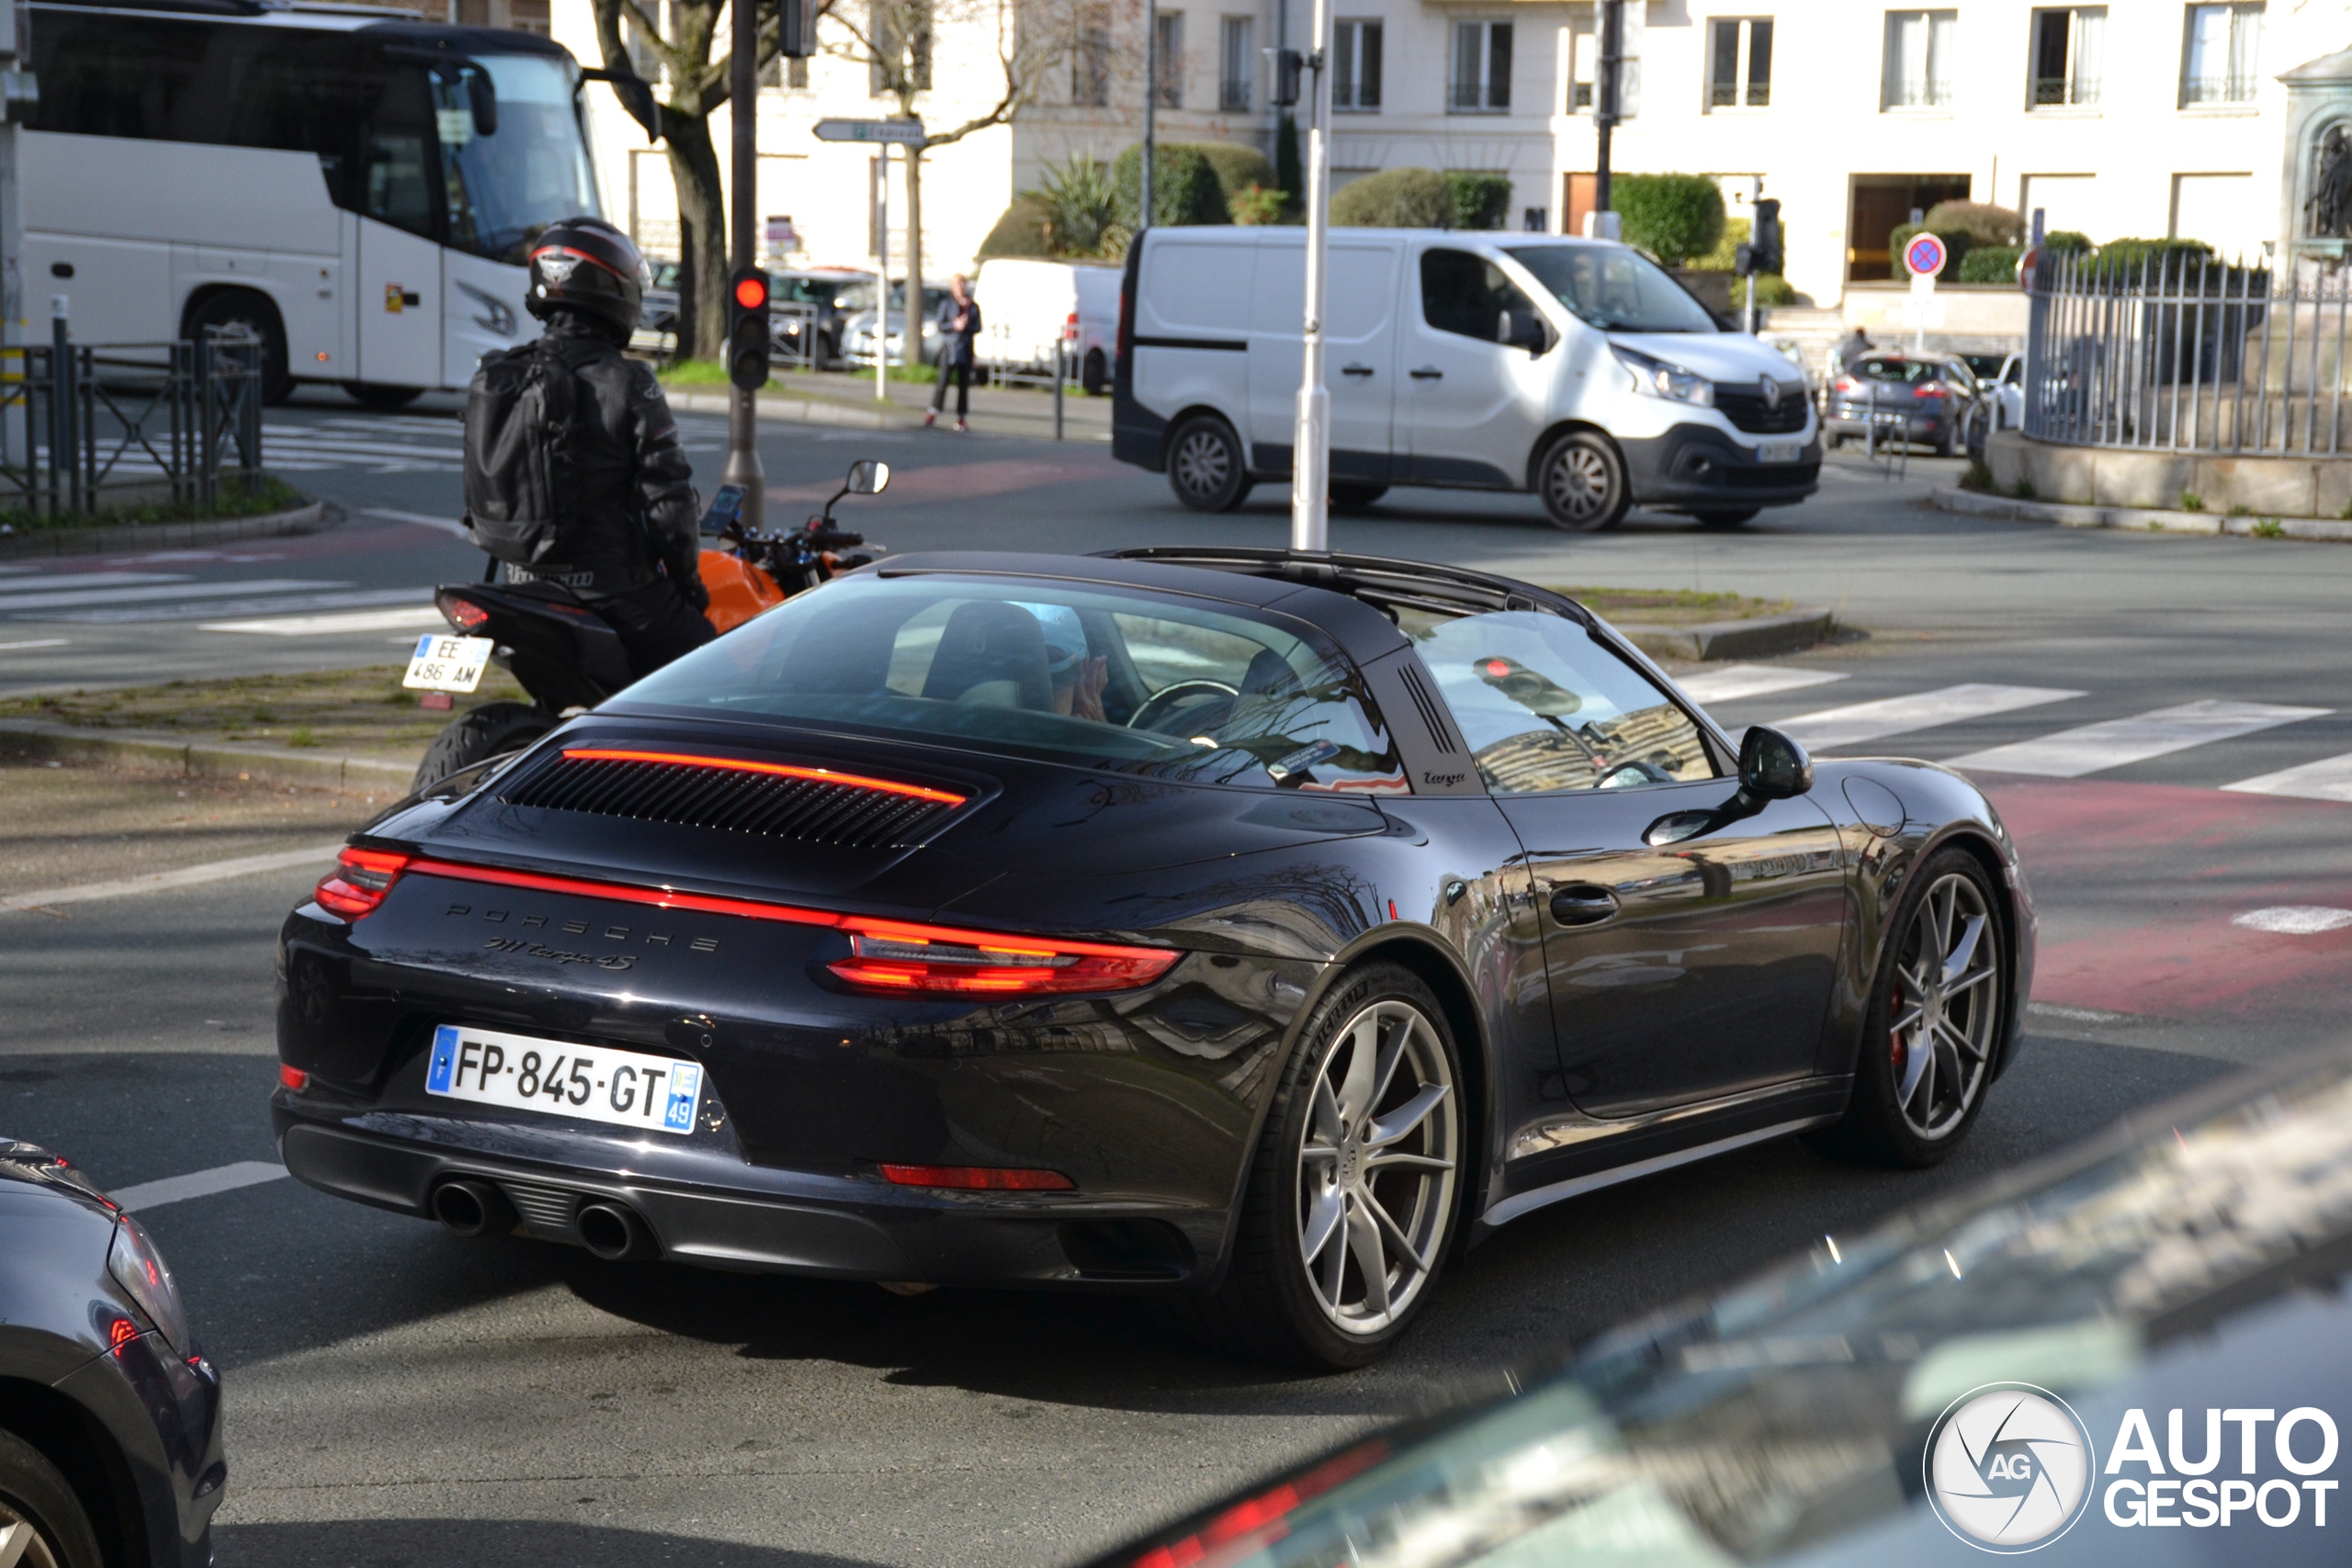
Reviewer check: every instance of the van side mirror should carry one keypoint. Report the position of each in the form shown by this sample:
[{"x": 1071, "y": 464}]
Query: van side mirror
[
  {"x": 1523, "y": 329},
  {"x": 482, "y": 95},
  {"x": 1772, "y": 766},
  {"x": 867, "y": 477}
]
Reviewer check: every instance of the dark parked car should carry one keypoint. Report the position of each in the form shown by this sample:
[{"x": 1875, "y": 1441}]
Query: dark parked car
[
  {"x": 109, "y": 1413},
  {"x": 657, "y": 328},
  {"x": 1244, "y": 927},
  {"x": 1918, "y": 397},
  {"x": 2148, "y": 1332},
  {"x": 820, "y": 302}
]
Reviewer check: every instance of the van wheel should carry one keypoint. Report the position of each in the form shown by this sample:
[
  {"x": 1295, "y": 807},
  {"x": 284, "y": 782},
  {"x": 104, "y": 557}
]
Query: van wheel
[
  {"x": 1204, "y": 465},
  {"x": 1094, "y": 376},
  {"x": 381, "y": 395},
  {"x": 1355, "y": 497},
  {"x": 245, "y": 308},
  {"x": 1731, "y": 517},
  {"x": 1582, "y": 481}
]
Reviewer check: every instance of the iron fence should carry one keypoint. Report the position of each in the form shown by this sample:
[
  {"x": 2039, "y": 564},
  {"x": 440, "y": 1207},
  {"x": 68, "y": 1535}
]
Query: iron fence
[
  {"x": 2180, "y": 351},
  {"x": 81, "y": 424}
]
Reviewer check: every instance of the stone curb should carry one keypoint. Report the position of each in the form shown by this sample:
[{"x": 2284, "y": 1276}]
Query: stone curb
[
  {"x": 147, "y": 751},
  {"x": 801, "y": 410},
  {"x": 1952, "y": 498},
  {"x": 1758, "y": 639},
  {"x": 108, "y": 538}
]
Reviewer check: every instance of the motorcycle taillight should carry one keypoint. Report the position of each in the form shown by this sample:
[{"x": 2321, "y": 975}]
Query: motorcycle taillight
[{"x": 463, "y": 613}]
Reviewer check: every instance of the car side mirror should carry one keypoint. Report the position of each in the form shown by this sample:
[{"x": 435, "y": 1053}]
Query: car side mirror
[
  {"x": 867, "y": 477},
  {"x": 1772, "y": 766},
  {"x": 1524, "y": 328}
]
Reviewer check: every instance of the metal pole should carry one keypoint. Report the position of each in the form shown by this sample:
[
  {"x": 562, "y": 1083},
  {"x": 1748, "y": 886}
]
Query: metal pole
[
  {"x": 15, "y": 76},
  {"x": 2037, "y": 321},
  {"x": 743, "y": 114},
  {"x": 1150, "y": 107},
  {"x": 1747, "y": 313},
  {"x": 1605, "y": 106},
  {"x": 1310, "y": 484},
  {"x": 64, "y": 445},
  {"x": 881, "y": 338}
]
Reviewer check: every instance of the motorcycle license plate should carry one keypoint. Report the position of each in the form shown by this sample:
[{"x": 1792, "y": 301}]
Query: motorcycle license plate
[
  {"x": 447, "y": 663},
  {"x": 1769, "y": 452},
  {"x": 593, "y": 1083}
]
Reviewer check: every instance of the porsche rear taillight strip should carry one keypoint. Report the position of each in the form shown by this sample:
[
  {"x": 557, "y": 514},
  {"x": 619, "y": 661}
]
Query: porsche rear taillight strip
[
  {"x": 885, "y": 956},
  {"x": 776, "y": 770}
]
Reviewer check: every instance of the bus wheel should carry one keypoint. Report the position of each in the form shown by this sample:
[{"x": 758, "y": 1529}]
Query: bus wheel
[
  {"x": 379, "y": 395},
  {"x": 244, "y": 308}
]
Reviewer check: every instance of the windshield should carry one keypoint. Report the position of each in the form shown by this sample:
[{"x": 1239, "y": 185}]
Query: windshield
[
  {"x": 1093, "y": 676},
  {"x": 503, "y": 188},
  {"x": 1613, "y": 288}
]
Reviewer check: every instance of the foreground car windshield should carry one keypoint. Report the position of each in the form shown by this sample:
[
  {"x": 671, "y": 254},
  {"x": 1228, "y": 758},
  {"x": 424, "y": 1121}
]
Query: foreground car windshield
[
  {"x": 1616, "y": 290},
  {"x": 1095, "y": 676}
]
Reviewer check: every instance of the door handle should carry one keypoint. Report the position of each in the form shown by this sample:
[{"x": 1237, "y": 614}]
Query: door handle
[
  {"x": 1355, "y": 369},
  {"x": 1426, "y": 374},
  {"x": 1582, "y": 904}
]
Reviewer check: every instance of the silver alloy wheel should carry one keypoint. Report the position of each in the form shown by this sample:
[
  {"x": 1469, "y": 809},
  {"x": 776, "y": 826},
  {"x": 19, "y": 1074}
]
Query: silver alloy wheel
[
  {"x": 1576, "y": 481},
  {"x": 1376, "y": 1169},
  {"x": 1202, "y": 463},
  {"x": 1946, "y": 1006},
  {"x": 22, "y": 1546}
]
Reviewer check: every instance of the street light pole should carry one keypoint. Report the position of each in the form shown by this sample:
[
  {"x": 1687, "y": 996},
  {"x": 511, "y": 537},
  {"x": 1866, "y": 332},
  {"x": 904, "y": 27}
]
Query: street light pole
[
  {"x": 1310, "y": 484},
  {"x": 1150, "y": 106},
  {"x": 743, "y": 114}
]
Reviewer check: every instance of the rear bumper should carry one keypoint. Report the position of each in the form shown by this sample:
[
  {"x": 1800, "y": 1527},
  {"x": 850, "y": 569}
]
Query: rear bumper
[{"x": 1696, "y": 467}]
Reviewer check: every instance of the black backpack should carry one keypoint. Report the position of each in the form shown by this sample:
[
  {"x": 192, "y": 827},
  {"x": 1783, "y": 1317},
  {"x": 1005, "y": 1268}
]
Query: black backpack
[{"x": 518, "y": 453}]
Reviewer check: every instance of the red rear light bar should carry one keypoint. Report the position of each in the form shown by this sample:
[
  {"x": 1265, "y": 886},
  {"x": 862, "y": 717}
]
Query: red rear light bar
[
  {"x": 885, "y": 956},
  {"x": 778, "y": 770},
  {"x": 978, "y": 1177}
]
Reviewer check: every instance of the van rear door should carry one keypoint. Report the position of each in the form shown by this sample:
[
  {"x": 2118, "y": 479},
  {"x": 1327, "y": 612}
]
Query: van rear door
[{"x": 1360, "y": 289}]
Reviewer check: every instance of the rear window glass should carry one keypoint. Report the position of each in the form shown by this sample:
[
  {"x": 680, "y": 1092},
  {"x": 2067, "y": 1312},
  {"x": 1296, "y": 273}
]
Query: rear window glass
[
  {"x": 1092, "y": 676},
  {"x": 1909, "y": 372}
]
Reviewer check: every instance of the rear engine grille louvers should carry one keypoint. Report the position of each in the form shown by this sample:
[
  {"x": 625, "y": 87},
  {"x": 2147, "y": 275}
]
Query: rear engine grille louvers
[{"x": 773, "y": 800}]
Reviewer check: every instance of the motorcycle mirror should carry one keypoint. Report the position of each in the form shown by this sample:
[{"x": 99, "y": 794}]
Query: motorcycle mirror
[{"x": 867, "y": 477}]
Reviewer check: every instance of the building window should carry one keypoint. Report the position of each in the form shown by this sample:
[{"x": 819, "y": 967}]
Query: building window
[
  {"x": 1481, "y": 68},
  {"x": 1584, "y": 59},
  {"x": 1236, "y": 64},
  {"x": 1089, "y": 59},
  {"x": 2066, "y": 49},
  {"x": 1170, "y": 90},
  {"x": 1920, "y": 58},
  {"x": 1355, "y": 67},
  {"x": 2222, "y": 54},
  {"x": 1743, "y": 67}
]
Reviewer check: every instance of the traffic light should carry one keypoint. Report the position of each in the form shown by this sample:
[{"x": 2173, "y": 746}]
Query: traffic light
[
  {"x": 1765, "y": 237},
  {"x": 747, "y": 327},
  {"x": 1287, "y": 63},
  {"x": 796, "y": 34}
]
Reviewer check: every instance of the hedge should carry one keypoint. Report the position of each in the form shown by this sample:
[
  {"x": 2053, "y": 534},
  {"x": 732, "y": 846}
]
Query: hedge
[
  {"x": 1184, "y": 185},
  {"x": 1990, "y": 264},
  {"x": 1238, "y": 166},
  {"x": 1394, "y": 198},
  {"x": 1480, "y": 201},
  {"x": 1983, "y": 223},
  {"x": 1673, "y": 217}
]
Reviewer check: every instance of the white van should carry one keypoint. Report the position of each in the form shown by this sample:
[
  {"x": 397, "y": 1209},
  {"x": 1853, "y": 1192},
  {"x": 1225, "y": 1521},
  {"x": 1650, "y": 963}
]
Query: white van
[
  {"x": 1575, "y": 368},
  {"x": 1025, "y": 306}
]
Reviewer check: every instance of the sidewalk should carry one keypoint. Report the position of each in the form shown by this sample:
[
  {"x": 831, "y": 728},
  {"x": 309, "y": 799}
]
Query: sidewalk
[{"x": 847, "y": 400}]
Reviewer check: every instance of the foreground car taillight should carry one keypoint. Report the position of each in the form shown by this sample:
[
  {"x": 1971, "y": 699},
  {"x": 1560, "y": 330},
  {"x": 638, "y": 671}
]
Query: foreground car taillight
[
  {"x": 917, "y": 958},
  {"x": 359, "y": 882},
  {"x": 978, "y": 1177}
]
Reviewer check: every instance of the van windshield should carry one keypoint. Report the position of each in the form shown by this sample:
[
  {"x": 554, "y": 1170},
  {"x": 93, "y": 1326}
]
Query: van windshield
[{"x": 1614, "y": 289}]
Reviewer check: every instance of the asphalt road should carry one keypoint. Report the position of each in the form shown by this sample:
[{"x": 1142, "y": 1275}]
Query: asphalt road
[{"x": 399, "y": 1397}]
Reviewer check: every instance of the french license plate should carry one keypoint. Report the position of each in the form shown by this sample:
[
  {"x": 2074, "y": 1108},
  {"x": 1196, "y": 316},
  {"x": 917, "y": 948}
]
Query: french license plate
[
  {"x": 1767, "y": 452},
  {"x": 594, "y": 1082},
  {"x": 447, "y": 663}
]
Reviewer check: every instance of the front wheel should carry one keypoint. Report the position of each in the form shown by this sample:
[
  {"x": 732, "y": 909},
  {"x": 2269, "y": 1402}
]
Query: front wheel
[
  {"x": 1204, "y": 465},
  {"x": 381, "y": 395},
  {"x": 476, "y": 736},
  {"x": 43, "y": 1523},
  {"x": 1355, "y": 495},
  {"x": 244, "y": 307},
  {"x": 1582, "y": 481},
  {"x": 1352, "y": 1198},
  {"x": 1094, "y": 376},
  {"x": 1726, "y": 517}
]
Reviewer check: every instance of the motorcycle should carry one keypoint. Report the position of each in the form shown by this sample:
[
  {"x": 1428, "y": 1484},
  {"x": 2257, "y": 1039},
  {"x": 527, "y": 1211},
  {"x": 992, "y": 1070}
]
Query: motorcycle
[{"x": 569, "y": 659}]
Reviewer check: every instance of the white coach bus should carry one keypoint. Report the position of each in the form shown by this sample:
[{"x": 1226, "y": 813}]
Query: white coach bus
[{"x": 359, "y": 191}]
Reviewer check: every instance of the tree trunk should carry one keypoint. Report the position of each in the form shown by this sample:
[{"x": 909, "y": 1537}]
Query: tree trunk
[
  {"x": 914, "y": 312},
  {"x": 702, "y": 238}
]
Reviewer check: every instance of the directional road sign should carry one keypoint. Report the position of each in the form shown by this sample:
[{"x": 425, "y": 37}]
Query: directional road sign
[{"x": 906, "y": 131}]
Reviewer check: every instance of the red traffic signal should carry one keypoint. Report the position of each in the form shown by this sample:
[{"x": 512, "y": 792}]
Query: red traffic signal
[
  {"x": 747, "y": 327},
  {"x": 751, "y": 290}
]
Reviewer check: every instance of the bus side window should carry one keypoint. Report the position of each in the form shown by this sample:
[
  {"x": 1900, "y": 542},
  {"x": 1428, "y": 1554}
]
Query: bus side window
[{"x": 398, "y": 159}]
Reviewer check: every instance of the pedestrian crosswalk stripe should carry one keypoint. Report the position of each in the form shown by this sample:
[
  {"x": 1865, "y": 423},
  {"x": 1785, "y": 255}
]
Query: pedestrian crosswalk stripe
[
  {"x": 1736, "y": 682},
  {"x": 2330, "y": 778},
  {"x": 1838, "y": 729},
  {"x": 421, "y": 519},
  {"x": 16, "y": 603},
  {"x": 2112, "y": 743},
  {"x": 59, "y": 581},
  {"x": 197, "y": 609},
  {"x": 328, "y": 626}
]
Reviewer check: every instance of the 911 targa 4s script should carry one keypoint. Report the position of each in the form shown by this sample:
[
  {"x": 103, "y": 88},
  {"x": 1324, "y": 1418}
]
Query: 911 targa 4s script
[{"x": 1248, "y": 927}]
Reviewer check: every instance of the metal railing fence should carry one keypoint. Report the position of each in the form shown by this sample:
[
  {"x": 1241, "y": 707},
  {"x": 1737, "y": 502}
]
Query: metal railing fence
[{"x": 2176, "y": 351}]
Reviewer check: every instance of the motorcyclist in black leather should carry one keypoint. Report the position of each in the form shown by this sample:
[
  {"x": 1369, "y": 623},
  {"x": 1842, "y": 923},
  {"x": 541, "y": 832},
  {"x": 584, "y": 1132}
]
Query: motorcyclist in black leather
[{"x": 630, "y": 552}]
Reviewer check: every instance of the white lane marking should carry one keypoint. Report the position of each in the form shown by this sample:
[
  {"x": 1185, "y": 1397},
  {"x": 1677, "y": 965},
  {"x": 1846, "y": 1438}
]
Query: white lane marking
[
  {"x": 2295, "y": 920},
  {"x": 1839, "y": 727},
  {"x": 2078, "y": 1015},
  {"x": 421, "y": 519},
  {"x": 158, "y": 880},
  {"x": 197, "y": 1184},
  {"x": 2330, "y": 778},
  {"x": 197, "y": 609},
  {"x": 326, "y": 625},
  {"x": 2112, "y": 743},
  {"x": 1738, "y": 681},
  {"x": 15, "y": 603},
  {"x": 64, "y": 580},
  {"x": 36, "y": 642}
]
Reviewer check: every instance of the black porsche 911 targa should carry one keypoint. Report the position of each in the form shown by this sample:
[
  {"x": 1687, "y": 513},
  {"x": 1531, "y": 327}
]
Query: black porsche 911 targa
[{"x": 1248, "y": 927}]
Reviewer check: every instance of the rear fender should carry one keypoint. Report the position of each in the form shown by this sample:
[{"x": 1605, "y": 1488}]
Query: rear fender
[{"x": 564, "y": 653}]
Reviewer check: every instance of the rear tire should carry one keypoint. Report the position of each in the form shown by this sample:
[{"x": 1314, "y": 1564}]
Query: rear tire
[
  {"x": 1727, "y": 517},
  {"x": 34, "y": 1496},
  {"x": 476, "y": 736},
  {"x": 1205, "y": 467},
  {"x": 1947, "y": 442},
  {"x": 254, "y": 312},
  {"x": 1354, "y": 495},
  {"x": 1582, "y": 481},
  {"x": 1094, "y": 376},
  {"x": 379, "y": 395}
]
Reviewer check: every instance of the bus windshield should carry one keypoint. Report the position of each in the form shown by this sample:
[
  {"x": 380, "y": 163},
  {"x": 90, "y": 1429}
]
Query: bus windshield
[{"x": 504, "y": 187}]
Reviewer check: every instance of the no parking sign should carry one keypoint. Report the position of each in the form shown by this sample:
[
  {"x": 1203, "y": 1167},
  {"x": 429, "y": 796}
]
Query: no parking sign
[{"x": 1924, "y": 257}]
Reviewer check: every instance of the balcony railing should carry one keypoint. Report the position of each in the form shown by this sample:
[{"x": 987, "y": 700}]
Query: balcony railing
[
  {"x": 1933, "y": 93},
  {"x": 2053, "y": 92},
  {"x": 1726, "y": 95},
  {"x": 2196, "y": 91}
]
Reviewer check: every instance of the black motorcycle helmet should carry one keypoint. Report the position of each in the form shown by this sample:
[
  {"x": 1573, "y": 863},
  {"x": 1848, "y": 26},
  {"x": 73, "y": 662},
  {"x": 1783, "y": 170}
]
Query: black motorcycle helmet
[{"x": 586, "y": 264}]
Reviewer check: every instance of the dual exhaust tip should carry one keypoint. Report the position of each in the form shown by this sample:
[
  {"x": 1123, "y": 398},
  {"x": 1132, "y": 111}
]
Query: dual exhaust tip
[{"x": 611, "y": 1231}]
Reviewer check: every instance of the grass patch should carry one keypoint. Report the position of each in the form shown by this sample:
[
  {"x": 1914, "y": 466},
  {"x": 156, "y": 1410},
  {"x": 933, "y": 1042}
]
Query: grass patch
[
  {"x": 2022, "y": 490},
  {"x": 2241, "y": 509},
  {"x": 697, "y": 373},
  {"x": 2270, "y": 528},
  {"x": 272, "y": 494},
  {"x": 1671, "y": 606},
  {"x": 363, "y": 711},
  {"x": 1979, "y": 477},
  {"x": 2192, "y": 502}
]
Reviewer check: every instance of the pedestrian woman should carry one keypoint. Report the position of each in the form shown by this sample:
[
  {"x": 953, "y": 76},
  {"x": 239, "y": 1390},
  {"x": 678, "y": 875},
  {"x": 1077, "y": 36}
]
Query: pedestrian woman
[{"x": 959, "y": 322}]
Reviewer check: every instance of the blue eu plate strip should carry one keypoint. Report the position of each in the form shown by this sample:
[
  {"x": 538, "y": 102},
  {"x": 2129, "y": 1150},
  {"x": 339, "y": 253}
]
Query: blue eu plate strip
[
  {"x": 424, "y": 645},
  {"x": 445, "y": 1058},
  {"x": 686, "y": 1088}
]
